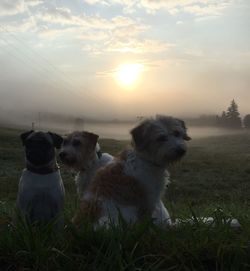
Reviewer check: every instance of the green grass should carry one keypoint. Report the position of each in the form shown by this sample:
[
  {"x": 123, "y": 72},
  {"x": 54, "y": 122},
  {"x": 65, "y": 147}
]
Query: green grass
[{"x": 212, "y": 180}]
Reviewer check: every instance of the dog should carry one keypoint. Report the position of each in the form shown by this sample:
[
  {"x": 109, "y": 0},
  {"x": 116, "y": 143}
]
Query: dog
[
  {"x": 132, "y": 185},
  {"x": 41, "y": 191},
  {"x": 80, "y": 151}
]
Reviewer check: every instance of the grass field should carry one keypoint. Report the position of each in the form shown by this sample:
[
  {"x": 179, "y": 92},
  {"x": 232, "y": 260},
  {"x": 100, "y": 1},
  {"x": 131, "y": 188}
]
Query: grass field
[{"x": 212, "y": 180}]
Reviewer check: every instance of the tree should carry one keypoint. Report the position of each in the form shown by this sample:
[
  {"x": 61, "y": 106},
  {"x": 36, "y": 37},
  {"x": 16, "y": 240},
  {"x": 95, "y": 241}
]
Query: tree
[
  {"x": 224, "y": 121},
  {"x": 246, "y": 121},
  {"x": 233, "y": 116},
  {"x": 230, "y": 118}
]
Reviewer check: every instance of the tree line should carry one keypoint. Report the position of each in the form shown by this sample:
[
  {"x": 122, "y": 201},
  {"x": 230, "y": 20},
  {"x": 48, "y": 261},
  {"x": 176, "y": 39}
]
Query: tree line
[{"x": 231, "y": 118}]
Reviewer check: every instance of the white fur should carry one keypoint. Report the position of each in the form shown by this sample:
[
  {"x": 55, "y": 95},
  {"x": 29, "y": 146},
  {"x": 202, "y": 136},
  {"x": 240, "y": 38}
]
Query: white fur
[
  {"x": 41, "y": 197},
  {"x": 234, "y": 223},
  {"x": 154, "y": 179},
  {"x": 161, "y": 215},
  {"x": 112, "y": 212},
  {"x": 83, "y": 178}
]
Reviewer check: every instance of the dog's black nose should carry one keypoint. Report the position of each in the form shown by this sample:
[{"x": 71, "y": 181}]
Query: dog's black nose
[
  {"x": 181, "y": 151},
  {"x": 62, "y": 155}
]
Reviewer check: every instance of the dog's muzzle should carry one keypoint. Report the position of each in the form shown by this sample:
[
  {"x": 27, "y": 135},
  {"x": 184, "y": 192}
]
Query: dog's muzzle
[
  {"x": 66, "y": 159},
  {"x": 181, "y": 151}
]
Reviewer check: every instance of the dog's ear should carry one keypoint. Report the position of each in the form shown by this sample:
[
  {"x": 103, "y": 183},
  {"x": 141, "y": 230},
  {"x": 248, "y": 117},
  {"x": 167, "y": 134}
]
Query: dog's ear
[
  {"x": 57, "y": 140},
  {"x": 186, "y": 137},
  {"x": 93, "y": 138},
  {"x": 139, "y": 134},
  {"x": 24, "y": 136}
]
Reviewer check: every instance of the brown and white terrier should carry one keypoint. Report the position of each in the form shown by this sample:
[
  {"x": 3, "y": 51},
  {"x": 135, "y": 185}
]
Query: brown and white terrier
[
  {"x": 132, "y": 185},
  {"x": 80, "y": 151}
]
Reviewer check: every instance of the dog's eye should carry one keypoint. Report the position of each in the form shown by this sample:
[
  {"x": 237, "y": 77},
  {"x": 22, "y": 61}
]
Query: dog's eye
[
  {"x": 76, "y": 142},
  {"x": 176, "y": 133},
  {"x": 162, "y": 138},
  {"x": 65, "y": 142}
]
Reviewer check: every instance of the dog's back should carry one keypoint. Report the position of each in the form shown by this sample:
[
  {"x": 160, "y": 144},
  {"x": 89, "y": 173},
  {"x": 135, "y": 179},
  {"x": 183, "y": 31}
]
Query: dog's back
[
  {"x": 105, "y": 159},
  {"x": 41, "y": 197}
]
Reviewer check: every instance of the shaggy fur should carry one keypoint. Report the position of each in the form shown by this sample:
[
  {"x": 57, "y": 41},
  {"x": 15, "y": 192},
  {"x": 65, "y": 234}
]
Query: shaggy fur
[
  {"x": 132, "y": 186},
  {"x": 81, "y": 152}
]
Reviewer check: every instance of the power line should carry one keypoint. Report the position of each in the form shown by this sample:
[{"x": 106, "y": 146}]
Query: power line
[
  {"x": 25, "y": 46},
  {"x": 60, "y": 74},
  {"x": 49, "y": 81}
]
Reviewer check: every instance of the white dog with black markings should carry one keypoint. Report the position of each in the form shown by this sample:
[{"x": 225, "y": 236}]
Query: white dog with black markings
[
  {"x": 41, "y": 192},
  {"x": 132, "y": 185}
]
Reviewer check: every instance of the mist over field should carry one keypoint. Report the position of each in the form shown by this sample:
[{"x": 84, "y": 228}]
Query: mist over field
[{"x": 115, "y": 129}]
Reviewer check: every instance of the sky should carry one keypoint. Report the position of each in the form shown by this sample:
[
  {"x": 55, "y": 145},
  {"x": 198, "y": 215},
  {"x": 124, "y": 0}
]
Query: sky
[{"x": 121, "y": 59}]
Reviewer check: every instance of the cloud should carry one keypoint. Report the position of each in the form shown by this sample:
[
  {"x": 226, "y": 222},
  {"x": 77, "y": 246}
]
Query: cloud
[
  {"x": 45, "y": 31},
  {"x": 62, "y": 16},
  {"x": 179, "y": 22},
  {"x": 93, "y": 2},
  {"x": 8, "y": 8},
  {"x": 137, "y": 46},
  {"x": 14, "y": 7},
  {"x": 214, "y": 9},
  {"x": 97, "y": 34},
  {"x": 93, "y": 35},
  {"x": 22, "y": 26},
  {"x": 33, "y": 3},
  {"x": 194, "y": 7},
  {"x": 119, "y": 34}
]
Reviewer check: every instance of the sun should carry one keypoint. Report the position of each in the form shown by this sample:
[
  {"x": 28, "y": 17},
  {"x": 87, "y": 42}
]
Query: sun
[{"x": 128, "y": 74}]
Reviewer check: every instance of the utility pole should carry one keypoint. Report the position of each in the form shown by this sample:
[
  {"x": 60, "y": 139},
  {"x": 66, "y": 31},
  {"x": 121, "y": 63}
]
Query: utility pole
[{"x": 39, "y": 120}]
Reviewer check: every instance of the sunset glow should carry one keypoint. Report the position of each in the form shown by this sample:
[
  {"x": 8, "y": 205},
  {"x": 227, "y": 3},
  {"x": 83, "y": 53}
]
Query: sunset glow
[
  {"x": 179, "y": 57},
  {"x": 128, "y": 74}
]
